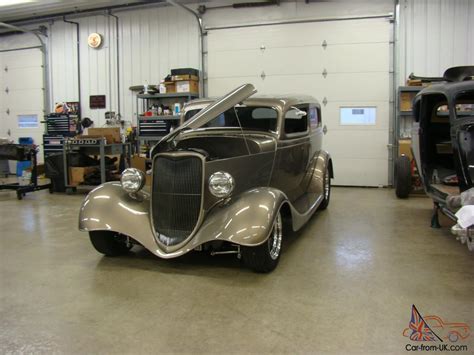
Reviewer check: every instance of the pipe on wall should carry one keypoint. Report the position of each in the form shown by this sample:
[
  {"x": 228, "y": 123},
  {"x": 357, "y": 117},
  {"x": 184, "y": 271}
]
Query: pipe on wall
[
  {"x": 78, "y": 48},
  {"x": 46, "y": 105},
  {"x": 117, "y": 43}
]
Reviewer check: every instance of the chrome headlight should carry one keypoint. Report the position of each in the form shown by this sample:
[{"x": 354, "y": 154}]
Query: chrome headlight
[
  {"x": 132, "y": 180},
  {"x": 221, "y": 184}
]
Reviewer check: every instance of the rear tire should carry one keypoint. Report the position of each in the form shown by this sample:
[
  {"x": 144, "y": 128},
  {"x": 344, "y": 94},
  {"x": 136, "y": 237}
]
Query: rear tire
[
  {"x": 402, "y": 176},
  {"x": 326, "y": 189},
  {"x": 108, "y": 243},
  {"x": 265, "y": 257}
]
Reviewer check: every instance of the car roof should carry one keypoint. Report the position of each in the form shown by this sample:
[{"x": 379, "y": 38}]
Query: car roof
[
  {"x": 282, "y": 102},
  {"x": 449, "y": 89}
]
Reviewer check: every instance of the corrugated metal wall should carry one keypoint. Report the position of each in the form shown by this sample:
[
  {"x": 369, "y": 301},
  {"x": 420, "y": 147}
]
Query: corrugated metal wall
[
  {"x": 152, "y": 42},
  {"x": 435, "y": 35}
]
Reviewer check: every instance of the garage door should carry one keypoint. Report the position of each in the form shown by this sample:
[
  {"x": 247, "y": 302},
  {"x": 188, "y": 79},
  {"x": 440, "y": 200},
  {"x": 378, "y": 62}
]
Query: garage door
[
  {"x": 344, "y": 64},
  {"x": 21, "y": 95}
]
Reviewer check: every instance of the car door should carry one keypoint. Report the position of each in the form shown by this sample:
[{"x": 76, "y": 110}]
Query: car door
[
  {"x": 293, "y": 152},
  {"x": 462, "y": 130}
]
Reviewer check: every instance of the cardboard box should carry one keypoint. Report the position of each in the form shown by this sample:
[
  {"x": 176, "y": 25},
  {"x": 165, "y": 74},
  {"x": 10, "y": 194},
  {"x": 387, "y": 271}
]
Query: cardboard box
[
  {"x": 406, "y": 100},
  {"x": 170, "y": 87},
  {"x": 112, "y": 134},
  {"x": 404, "y": 148},
  {"x": 187, "y": 86},
  {"x": 184, "y": 77},
  {"x": 139, "y": 163},
  {"x": 76, "y": 174}
]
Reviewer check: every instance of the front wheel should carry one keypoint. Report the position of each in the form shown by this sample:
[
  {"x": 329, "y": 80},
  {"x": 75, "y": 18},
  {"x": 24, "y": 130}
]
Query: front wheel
[
  {"x": 109, "y": 243},
  {"x": 264, "y": 257}
]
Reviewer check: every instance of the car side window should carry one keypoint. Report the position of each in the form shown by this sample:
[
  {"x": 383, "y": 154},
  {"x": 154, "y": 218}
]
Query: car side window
[
  {"x": 314, "y": 118},
  {"x": 296, "y": 119}
]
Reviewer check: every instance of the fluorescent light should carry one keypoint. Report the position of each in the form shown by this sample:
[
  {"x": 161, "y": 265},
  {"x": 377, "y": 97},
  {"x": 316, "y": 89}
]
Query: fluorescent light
[{"x": 14, "y": 2}]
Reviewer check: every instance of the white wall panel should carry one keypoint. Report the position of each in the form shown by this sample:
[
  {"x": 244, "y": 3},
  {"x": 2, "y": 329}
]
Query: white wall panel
[
  {"x": 435, "y": 35},
  {"x": 154, "y": 41},
  {"x": 151, "y": 43}
]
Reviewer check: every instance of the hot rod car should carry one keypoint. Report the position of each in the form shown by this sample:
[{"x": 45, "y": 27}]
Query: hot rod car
[
  {"x": 229, "y": 179},
  {"x": 442, "y": 142}
]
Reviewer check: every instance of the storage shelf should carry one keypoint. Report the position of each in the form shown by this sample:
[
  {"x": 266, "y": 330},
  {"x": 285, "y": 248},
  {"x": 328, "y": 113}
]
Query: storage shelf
[
  {"x": 410, "y": 88},
  {"x": 165, "y": 96},
  {"x": 160, "y": 117}
]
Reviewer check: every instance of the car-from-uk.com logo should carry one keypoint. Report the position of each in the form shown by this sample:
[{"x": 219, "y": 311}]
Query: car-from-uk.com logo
[{"x": 438, "y": 333}]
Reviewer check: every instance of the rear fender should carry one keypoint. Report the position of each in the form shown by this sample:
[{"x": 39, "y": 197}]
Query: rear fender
[{"x": 321, "y": 163}]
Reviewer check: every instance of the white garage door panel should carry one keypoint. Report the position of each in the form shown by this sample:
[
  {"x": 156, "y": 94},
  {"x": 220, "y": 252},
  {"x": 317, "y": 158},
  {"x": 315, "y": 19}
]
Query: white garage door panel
[
  {"x": 356, "y": 59},
  {"x": 348, "y": 87},
  {"x": 221, "y": 86},
  {"x": 356, "y": 169},
  {"x": 374, "y": 147},
  {"x": 300, "y": 35},
  {"x": 24, "y": 100},
  {"x": 242, "y": 63},
  {"x": 337, "y": 59},
  {"x": 22, "y": 59},
  {"x": 311, "y": 60},
  {"x": 25, "y": 78}
]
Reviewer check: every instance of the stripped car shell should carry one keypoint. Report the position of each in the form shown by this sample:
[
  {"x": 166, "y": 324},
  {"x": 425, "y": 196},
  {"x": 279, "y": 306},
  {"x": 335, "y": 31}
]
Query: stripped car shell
[
  {"x": 280, "y": 176},
  {"x": 442, "y": 144}
]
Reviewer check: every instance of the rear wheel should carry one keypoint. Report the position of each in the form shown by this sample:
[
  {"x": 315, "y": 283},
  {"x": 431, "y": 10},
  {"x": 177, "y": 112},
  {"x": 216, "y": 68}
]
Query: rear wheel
[
  {"x": 402, "y": 176},
  {"x": 327, "y": 189},
  {"x": 264, "y": 257},
  {"x": 109, "y": 243}
]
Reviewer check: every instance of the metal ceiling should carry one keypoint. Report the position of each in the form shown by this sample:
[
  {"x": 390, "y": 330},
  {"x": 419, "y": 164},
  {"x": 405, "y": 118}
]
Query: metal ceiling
[{"x": 31, "y": 9}]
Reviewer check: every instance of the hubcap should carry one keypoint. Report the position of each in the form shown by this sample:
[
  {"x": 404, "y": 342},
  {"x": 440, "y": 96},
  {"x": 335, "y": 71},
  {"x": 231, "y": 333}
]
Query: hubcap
[
  {"x": 326, "y": 184},
  {"x": 274, "y": 242}
]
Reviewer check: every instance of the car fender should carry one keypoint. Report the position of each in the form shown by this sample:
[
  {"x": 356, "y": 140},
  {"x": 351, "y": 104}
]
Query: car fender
[
  {"x": 246, "y": 219},
  {"x": 319, "y": 166},
  {"x": 108, "y": 207}
]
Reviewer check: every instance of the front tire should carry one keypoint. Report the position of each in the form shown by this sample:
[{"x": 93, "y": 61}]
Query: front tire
[
  {"x": 109, "y": 243},
  {"x": 265, "y": 257}
]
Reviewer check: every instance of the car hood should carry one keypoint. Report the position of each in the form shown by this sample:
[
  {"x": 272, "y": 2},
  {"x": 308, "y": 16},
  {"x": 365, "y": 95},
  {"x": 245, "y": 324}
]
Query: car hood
[{"x": 215, "y": 109}]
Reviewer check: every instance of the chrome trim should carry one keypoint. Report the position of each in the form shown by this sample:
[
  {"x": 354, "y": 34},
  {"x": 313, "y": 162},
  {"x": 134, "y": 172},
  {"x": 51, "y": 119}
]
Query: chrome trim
[{"x": 172, "y": 248}]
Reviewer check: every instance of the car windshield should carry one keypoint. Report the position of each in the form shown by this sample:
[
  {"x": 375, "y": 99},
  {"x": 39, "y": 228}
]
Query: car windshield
[
  {"x": 251, "y": 117},
  {"x": 465, "y": 105}
]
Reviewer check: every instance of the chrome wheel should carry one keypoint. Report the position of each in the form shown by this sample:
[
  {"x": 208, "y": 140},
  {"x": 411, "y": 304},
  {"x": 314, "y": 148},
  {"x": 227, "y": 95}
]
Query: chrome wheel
[{"x": 274, "y": 242}]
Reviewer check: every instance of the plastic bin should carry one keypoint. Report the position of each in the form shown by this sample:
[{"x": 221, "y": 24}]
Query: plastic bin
[{"x": 23, "y": 165}]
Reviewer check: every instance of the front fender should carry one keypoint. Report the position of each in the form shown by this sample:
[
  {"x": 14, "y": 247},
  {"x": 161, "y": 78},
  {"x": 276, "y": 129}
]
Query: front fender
[
  {"x": 245, "y": 220},
  {"x": 109, "y": 207}
]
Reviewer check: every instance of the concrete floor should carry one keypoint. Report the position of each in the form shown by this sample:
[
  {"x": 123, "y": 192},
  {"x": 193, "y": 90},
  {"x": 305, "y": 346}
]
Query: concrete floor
[{"x": 345, "y": 284}]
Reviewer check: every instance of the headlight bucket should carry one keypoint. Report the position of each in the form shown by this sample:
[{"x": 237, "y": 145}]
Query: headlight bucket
[
  {"x": 221, "y": 184},
  {"x": 132, "y": 180}
]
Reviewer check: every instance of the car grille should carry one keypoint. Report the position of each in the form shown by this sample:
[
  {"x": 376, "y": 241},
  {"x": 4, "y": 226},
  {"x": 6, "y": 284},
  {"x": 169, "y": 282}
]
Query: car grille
[{"x": 176, "y": 197}]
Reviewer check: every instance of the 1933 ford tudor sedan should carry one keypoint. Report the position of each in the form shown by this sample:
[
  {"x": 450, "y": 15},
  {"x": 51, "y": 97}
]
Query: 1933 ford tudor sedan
[{"x": 230, "y": 179}]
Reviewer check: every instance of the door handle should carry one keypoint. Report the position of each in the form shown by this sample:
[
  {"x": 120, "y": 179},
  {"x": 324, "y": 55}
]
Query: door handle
[{"x": 325, "y": 129}]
